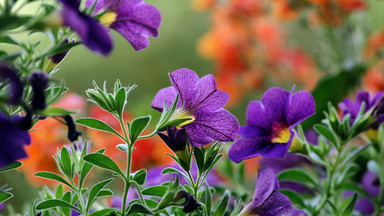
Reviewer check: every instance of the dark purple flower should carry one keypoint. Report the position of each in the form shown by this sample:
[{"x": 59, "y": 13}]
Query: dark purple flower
[
  {"x": 39, "y": 82},
  {"x": 133, "y": 19},
  {"x": 190, "y": 204},
  {"x": 175, "y": 139},
  {"x": 16, "y": 86},
  {"x": 371, "y": 183},
  {"x": 57, "y": 58},
  {"x": 94, "y": 35},
  {"x": 267, "y": 200},
  {"x": 72, "y": 134},
  {"x": 271, "y": 120},
  {"x": 201, "y": 101},
  {"x": 12, "y": 141},
  {"x": 353, "y": 108}
]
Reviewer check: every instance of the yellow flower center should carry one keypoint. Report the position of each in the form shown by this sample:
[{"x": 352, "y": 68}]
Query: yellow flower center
[
  {"x": 282, "y": 136},
  {"x": 108, "y": 18},
  {"x": 185, "y": 115}
]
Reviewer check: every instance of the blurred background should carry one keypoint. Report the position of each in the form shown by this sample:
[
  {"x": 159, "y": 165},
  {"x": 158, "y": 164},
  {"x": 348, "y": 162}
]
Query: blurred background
[{"x": 330, "y": 47}]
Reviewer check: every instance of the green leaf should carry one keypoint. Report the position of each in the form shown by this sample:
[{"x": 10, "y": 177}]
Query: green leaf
[
  {"x": 123, "y": 147},
  {"x": 15, "y": 165},
  {"x": 97, "y": 124},
  {"x": 95, "y": 190},
  {"x": 12, "y": 22},
  {"x": 173, "y": 170},
  {"x": 66, "y": 162},
  {"x": 55, "y": 111},
  {"x": 62, "y": 48},
  {"x": 138, "y": 208},
  {"x": 105, "y": 192},
  {"x": 354, "y": 155},
  {"x": 102, "y": 212},
  {"x": 120, "y": 100},
  {"x": 351, "y": 205},
  {"x": 5, "y": 196},
  {"x": 140, "y": 176},
  {"x": 56, "y": 203},
  {"x": 355, "y": 188},
  {"x": 321, "y": 129},
  {"x": 334, "y": 208},
  {"x": 103, "y": 161},
  {"x": 59, "y": 191},
  {"x": 137, "y": 127},
  {"x": 208, "y": 200},
  {"x": 294, "y": 197},
  {"x": 9, "y": 40},
  {"x": 199, "y": 157},
  {"x": 158, "y": 191},
  {"x": 221, "y": 207},
  {"x": 296, "y": 176},
  {"x": 53, "y": 176},
  {"x": 86, "y": 168}
]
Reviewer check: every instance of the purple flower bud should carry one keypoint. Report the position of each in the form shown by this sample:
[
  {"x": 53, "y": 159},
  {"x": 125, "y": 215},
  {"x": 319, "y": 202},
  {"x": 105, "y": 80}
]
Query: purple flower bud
[
  {"x": 39, "y": 82},
  {"x": 16, "y": 87},
  {"x": 190, "y": 204},
  {"x": 56, "y": 59},
  {"x": 175, "y": 139}
]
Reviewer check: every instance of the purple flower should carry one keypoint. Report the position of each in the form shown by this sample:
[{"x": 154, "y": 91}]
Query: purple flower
[
  {"x": 133, "y": 19},
  {"x": 269, "y": 132},
  {"x": 13, "y": 139},
  {"x": 267, "y": 200},
  {"x": 201, "y": 101},
  {"x": 353, "y": 108},
  {"x": 175, "y": 139},
  {"x": 16, "y": 86},
  {"x": 94, "y": 35}
]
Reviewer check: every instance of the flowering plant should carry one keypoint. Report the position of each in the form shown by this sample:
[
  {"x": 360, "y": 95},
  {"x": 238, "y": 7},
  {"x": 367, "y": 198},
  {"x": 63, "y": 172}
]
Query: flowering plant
[{"x": 331, "y": 165}]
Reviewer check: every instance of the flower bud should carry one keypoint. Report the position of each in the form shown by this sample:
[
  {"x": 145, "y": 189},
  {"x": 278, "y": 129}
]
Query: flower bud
[{"x": 39, "y": 82}]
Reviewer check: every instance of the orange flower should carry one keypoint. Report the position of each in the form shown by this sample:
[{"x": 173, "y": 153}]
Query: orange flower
[{"x": 374, "y": 78}]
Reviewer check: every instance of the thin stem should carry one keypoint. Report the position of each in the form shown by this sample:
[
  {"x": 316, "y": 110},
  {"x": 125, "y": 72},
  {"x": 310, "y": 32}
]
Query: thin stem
[
  {"x": 148, "y": 136},
  {"x": 139, "y": 192}
]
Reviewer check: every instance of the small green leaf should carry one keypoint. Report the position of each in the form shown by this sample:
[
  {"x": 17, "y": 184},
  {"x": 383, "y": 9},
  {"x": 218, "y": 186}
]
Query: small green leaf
[
  {"x": 97, "y": 124},
  {"x": 140, "y": 176},
  {"x": 9, "y": 40},
  {"x": 173, "y": 170},
  {"x": 5, "y": 196},
  {"x": 102, "y": 212},
  {"x": 15, "y": 165},
  {"x": 354, "y": 155},
  {"x": 123, "y": 147},
  {"x": 137, "y": 127},
  {"x": 334, "y": 208},
  {"x": 296, "y": 199},
  {"x": 105, "y": 192},
  {"x": 55, "y": 203},
  {"x": 237, "y": 209},
  {"x": 138, "y": 208},
  {"x": 62, "y": 48},
  {"x": 87, "y": 167},
  {"x": 222, "y": 204},
  {"x": 103, "y": 161},
  {"x": 66, "y": 162},
  {"x": 53, "y": 176},
  {"x": 296, "y": 176},
  {"x": 120, "y": 100},
  {"x": 199, "y": 157},
  {"x": 208, "y": 196},
  {"x": 158, "y": 191},
  {"x": 55, "y": 111},
  {"x": 321, "y": 129},
  {"x": 95, "y": 190}
]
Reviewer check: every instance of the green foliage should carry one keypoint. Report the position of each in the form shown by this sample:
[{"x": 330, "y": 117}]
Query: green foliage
[{"x": 137, "y": 127}]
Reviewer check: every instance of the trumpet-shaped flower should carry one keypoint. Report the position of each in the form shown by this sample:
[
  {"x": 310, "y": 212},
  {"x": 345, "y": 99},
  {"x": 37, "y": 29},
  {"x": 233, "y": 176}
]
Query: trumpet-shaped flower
[
  {"x": 133, "y": 19},
  {"x": 94, "y": 35},
  {"x": 203, "y": 103},
  {"x": 269, "y": 132},
  {"x": 267, "y": 200},
  {"x": 13, "y": 139}
]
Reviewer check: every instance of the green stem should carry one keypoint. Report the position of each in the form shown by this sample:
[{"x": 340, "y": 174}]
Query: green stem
[
  {"x": 148, "y": 136},
  {"x": 139, "y": 192}
]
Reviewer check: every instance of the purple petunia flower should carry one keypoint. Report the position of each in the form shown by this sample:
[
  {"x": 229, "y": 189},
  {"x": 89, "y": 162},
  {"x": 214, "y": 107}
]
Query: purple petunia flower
[
  {"x": 133, "y": 19},
  {"x": 353, "y": 108},
  {"x": 94, "y": 35},
  {"x": 269, "y": 132},
  {"x": 267, "y": 200},
  {"x": 13, "y": 139},
  {"x": 201, "y": 101}
]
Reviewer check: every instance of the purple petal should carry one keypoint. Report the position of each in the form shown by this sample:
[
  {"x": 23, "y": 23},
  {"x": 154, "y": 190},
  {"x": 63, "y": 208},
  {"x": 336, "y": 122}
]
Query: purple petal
[
  {"x": 271, "y": 108},
  {"x": 73, "y": 19},
  {"x": 365, "y": 206},
  {"x": 253, "y": 132},
  {"x": 135, "y": 22},
  {"x": 197, "y": 135},
  {"x": 266, "y": 184},
  {"x": 185, "y": 82},
  {"x": 71, "y": 3},
  {"x": 220, "y": 125},
  {"x": 245, "y": 148},
  {"x": 166, "y": 95},
  {"x": 301, "y": 106},
  {"x": 208, "y": 98}
]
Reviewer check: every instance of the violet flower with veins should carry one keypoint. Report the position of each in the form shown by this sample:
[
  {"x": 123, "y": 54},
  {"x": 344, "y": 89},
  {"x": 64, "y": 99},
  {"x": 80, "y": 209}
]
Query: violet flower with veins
[
  {"x": 271, "y": 120},
  {"x": 133, "y": 19},
  {"x": 94, "y": 35},
  {"x": 267, "y": 200},
  {"x": 201, "y": 101}
]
